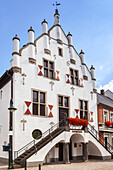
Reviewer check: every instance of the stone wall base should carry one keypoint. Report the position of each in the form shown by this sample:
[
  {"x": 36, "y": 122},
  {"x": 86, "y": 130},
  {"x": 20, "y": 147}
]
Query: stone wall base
[
  {"x": 77, "y": 159},
  {"x": 99, "y": 157}
]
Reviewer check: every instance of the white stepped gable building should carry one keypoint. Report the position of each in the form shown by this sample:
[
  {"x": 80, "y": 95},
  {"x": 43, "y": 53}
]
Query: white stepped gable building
[{"x": 48, "y": 78}]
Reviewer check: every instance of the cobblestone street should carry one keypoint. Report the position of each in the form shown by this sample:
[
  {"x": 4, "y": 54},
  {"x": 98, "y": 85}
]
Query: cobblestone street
[{"x": 91, "y": 165}]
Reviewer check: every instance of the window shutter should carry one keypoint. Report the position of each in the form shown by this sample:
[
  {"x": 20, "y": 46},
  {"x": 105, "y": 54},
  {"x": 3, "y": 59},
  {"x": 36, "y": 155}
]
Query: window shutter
[
  {"x": 27, "y": 106},
  {"x": 91, "y": 116},
  {"x": 81, "y": 82},
  {"x": 57, "y": 73},
  {"x": 40, "y": 70},
  {"x": 50, "y": 108},
  {"x": 67, "y": 78}
]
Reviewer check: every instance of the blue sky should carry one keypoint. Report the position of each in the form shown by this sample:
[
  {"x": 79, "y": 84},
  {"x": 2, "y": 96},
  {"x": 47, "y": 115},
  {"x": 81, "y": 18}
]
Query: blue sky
[{"x": 89, "y": 21}]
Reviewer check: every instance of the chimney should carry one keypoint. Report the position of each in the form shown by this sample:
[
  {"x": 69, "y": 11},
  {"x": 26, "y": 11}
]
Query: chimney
[
  {"x": 69, "y": 37},
  {"x": 44, "y": 26},
  {"x": 31, "y": 47},
  {"x": 31, "y": 35},
  {"x": 56, "y": 15},
  {"x": 81, "y": 54},
  {"x": 92, "y": 69},
  {"x": 16, "y": 56},
  {"x": 45, "y": 37},
  {"x": 16, "y": 44},
  {"x": 102, "y": 92}
]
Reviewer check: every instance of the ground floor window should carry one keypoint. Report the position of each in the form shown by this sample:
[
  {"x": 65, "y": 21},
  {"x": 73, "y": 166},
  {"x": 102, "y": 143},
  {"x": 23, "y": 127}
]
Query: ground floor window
[{"x": 39, "y": 103}]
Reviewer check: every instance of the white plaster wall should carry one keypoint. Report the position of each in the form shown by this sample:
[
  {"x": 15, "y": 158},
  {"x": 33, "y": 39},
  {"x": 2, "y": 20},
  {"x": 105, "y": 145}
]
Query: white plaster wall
[
  {"x": 33, "y": 81},
  {"x": 4, "y": 118},
  {"x": 49, "y": 150}
]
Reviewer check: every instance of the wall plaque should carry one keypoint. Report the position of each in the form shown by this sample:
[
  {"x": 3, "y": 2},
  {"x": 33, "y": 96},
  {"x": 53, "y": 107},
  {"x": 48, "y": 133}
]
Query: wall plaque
[{"x": 37, "y": 134}]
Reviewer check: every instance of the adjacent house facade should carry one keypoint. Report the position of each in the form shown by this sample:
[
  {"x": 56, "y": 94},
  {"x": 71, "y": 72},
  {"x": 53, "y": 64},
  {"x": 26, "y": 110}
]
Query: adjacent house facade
[
  {"x": 105, "y": 114},
  {"x": 47, "y": 80}
]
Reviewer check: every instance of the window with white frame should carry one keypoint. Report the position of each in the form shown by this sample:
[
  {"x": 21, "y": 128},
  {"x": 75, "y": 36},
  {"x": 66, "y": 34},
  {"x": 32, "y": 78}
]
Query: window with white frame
[
  {"x": 111, "y": 116},
  {"x": 105, "y": 115}
]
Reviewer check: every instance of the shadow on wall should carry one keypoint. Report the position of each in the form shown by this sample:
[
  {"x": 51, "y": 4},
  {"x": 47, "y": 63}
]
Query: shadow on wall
[{"x": 93, "y": 151}]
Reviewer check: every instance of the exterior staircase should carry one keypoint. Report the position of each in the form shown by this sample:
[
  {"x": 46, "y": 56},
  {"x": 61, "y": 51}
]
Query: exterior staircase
[
  {"x": 31, "y": 148},
  {"x": 100, "y": 139}
]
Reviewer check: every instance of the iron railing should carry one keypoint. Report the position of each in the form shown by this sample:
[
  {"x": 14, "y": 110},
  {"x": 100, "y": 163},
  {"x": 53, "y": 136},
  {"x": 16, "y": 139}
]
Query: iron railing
[
  {"x": 99, "y": 138},
  {"x": 40, "y": 137}
]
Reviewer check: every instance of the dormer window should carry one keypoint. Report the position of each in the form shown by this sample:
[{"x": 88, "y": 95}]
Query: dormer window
[
  {"x": 74, "y": 77},
  {"x": 60, "y": 52},
  {"x": 48, "y": 69}
]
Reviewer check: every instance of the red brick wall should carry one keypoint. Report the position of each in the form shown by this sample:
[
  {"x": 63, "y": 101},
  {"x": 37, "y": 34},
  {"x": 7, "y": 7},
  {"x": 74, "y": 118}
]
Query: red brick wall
[{"x": 100, "y": 112}]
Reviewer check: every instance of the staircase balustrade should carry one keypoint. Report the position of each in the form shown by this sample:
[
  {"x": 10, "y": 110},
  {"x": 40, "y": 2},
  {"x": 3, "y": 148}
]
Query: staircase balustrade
[
  {"x": 39, "y": 138},
  {"x": 99, "y": 138}
]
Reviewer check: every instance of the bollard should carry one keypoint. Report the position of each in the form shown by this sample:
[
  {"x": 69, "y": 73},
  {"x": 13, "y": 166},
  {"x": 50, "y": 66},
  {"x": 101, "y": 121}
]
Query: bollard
[
  {"x": 25, "y": 165},
  {"x": 39, "y": 166}
]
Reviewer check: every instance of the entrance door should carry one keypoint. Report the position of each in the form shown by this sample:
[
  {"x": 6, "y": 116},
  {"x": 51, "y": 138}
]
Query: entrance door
[
  {"x": 60, "y": 151},
  {"x": 62, "y": 111}
]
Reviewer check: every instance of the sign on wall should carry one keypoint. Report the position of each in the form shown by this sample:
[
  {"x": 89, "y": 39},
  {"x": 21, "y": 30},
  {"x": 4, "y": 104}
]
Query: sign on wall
[{"x": 37, "y": 134}]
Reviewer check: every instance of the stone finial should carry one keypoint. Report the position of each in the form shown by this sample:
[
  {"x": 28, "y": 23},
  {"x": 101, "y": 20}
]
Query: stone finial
[
  {"x": 31, "y": 29},
  {"x": 44, "y": 21},
  {"x": 16, "y": 37},
  {"x": 81, "y": 52},
  {"x": 92, "y": 67}
]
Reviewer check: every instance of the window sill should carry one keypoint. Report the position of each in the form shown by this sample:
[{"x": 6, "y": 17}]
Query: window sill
[
  {"x": 75, "y": 85},
  {"x": 39, "y": 116}
]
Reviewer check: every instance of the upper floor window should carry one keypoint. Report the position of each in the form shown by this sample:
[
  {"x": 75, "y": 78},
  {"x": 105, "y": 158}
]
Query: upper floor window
[
  {"x": 48, "y": 69},
  {"x": 60, "y": 52},
  {"x": 105, "y": 115},
  {"x": 74, "y": 77},
  {"x": 63, "y": 101},
  {"x": 39, "y": 103},
  {"x": 111, "y": 116},
  {"x": 83, "y": 109}
]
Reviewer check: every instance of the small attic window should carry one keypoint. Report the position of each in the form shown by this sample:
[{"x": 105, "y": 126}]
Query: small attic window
[{"x": 60, "y": 52}]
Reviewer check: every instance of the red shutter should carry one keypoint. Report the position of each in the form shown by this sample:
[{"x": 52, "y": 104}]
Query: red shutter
[
  {"x": 57, "y": 75},
  {"x": 50, "y": 107},
  {"x": 91, "y": 114},
  {"x": 77, "y": 110},
  {"x": 40, "y": 72},
  {"x": 27, "y": 111},
  {"x": 67, "y": 78},
  {"x": 81, "y": 82}
]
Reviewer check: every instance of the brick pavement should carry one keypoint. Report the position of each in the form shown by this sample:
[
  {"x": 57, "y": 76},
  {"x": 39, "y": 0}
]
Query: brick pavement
[{"x": 91, "y": 165}]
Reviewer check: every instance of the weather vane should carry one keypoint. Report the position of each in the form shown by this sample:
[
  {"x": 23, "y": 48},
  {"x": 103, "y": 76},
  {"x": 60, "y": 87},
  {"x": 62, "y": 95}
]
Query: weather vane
[{"x": 57, "y": 4}]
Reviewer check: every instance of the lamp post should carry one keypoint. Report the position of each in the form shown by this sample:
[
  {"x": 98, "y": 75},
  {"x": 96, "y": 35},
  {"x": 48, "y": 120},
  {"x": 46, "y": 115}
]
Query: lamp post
[{"x": 11, "y": 109}]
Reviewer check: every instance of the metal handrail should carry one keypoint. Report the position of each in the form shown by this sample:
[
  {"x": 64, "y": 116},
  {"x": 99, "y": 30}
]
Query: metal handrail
[
  {"x": 33, "y": 142},
  {"x": 99, "y": 137}
]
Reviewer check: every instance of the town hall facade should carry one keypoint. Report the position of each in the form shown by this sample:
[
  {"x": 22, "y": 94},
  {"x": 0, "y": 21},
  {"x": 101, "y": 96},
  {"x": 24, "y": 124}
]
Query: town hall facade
[{"x": 47, "y": 80}]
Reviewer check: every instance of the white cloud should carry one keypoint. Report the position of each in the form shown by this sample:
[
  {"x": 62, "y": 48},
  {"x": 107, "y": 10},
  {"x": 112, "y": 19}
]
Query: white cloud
[
  {"x": 107, "y": 86},
  {"x": 101, "y": 67}
]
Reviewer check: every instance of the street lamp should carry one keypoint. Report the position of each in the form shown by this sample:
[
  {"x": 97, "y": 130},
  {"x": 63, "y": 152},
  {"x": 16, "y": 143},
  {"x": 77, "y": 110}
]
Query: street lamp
[{"x": 11, "y": 109}]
